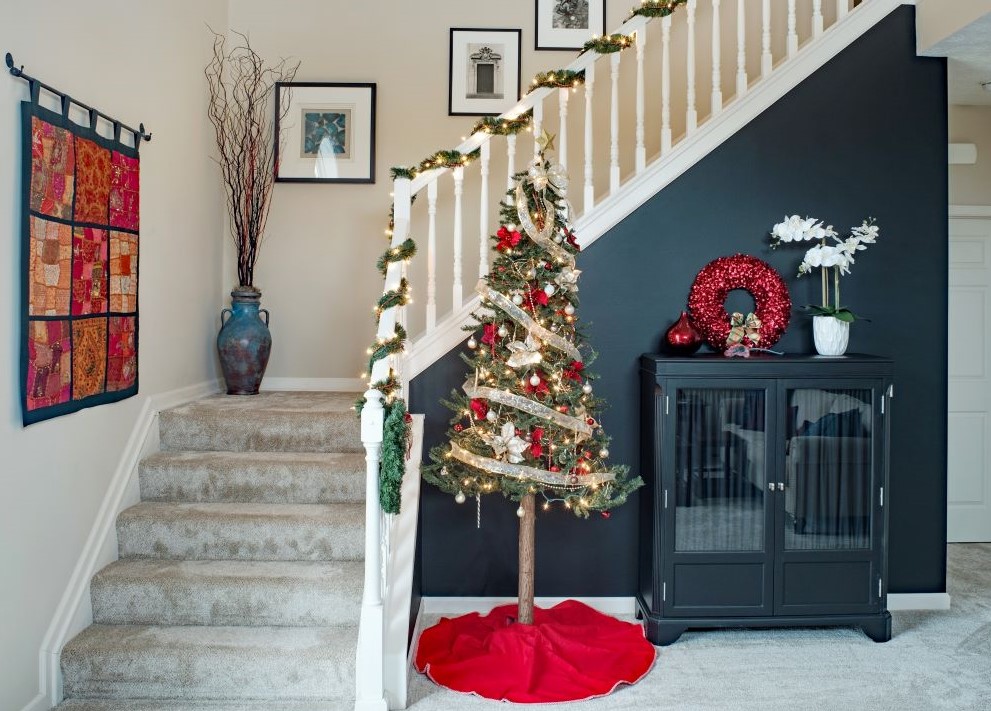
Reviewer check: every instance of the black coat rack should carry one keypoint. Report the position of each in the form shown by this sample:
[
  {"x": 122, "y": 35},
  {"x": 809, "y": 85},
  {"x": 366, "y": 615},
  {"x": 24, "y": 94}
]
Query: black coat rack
[{"x": 36, "y": 86}]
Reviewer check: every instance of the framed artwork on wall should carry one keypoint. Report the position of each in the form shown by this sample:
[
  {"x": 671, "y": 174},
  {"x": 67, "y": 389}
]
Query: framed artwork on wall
[
  {"x": 568, "y": 24},
  {"x": 330, "y": 132},
  {"x": 484, "y": 71}
]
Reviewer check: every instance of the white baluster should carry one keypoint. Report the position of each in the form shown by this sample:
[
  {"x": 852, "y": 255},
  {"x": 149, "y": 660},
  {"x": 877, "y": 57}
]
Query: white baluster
[
  {"x": 483, "y": 212},
  {"x": 510, "y": 161},
  {"x": 456, "y": 290},
  {"x": 792, "y": 29},
  {"x": 641, "y": 151},
  {"x": 538, "y": 125},
  {"x": 842, "y": 8},
  {"x": 614, "y": 124},
  {"x": 431, "y": 255},
  {"x": 817, "y": 24},
  {"x": 589, "y": 92},
  {"x": 562, "y": 113},
  {"x": 741, "y": 48},
  {"x": 665, "y": 84},
  {"x": 766, "y": 61},
  {"x": 691, "y": 114},
  {"x": 717, "y": 79}
]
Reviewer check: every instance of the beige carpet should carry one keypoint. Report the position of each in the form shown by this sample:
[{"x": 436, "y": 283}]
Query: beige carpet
[{"x": 935, "y": 661}]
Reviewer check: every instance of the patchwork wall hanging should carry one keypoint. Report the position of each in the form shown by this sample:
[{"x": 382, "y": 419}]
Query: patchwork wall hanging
[{"x": 79, "y": 260}]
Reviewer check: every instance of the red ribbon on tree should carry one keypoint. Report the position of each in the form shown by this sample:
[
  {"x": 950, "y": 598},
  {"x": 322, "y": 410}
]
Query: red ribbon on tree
[
  {"x": 507, "y": 239},
  {"x": 490, "y": 335},
  {"x": 571, "y": 239},
  {"x": 536, "y": 446}
]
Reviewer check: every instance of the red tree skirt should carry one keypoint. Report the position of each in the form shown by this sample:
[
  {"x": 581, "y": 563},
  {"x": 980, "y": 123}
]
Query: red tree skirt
[{"x": 569, "y": 653}]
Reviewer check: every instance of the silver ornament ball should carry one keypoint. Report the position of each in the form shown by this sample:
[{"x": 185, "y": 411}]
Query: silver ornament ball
[
  {"x": 534, "y": 380},
  {"x": 549, "y": 289},
  {"x": 587, "y": 388},
  {"x": 517, "y": 299},
  {"x": 491, "y": 416},
  {"x": 460, "y": 497},
  {"x": 472, "y": 343},
  {"x": 520, "y": 511},
  {"x": 604, "y": 453},
  {"x": 569, "y": 309},
  {"x": 503, "y": 332}
]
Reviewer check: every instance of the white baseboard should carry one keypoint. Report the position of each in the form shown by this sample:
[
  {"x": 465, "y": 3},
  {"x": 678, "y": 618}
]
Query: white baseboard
[
  {"x": 899, "y": 602},
  {"x": 38, "y": 703},
  {"x": 74, "y": 612},
  {"x": 345, "y": 385},
  {"x": 464, "y": 605}
]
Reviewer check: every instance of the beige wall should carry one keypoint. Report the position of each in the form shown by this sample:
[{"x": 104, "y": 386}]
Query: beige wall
[
  {"x": 971, "y": 184},
  {"x": 138, "y": 66},
  {"x": 938, "y": 19}
]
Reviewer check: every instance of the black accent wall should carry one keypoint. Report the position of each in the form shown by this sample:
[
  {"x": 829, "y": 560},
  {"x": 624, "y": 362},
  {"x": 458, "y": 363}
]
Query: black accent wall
[{"x": 865, "y": 135}]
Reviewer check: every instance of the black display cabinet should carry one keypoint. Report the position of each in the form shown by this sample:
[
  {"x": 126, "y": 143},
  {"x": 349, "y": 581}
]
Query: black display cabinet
[{"x": 765, "y": 501}]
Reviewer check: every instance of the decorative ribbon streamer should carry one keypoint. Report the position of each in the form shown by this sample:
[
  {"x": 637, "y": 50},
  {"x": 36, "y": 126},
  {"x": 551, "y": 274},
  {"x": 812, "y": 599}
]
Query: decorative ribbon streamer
[
  {"x": 521, "y": 471},
  {"x": 541, "y": 237},
  {"x": 743, "y": 329},
  {"x": 526, "y": 321},
  {"x": 581, "y": 428}
]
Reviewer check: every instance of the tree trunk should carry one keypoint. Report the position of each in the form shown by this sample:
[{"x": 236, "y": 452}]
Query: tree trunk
[{"x": 525, "y": 611}]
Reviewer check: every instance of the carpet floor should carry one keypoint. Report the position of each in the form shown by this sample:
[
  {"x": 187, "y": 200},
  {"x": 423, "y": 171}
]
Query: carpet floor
[{"x": 935, "y": 661}]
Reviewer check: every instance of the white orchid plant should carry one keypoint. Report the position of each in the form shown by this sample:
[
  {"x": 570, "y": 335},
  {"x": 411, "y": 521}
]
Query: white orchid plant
[{"x": 837, "y": 256}]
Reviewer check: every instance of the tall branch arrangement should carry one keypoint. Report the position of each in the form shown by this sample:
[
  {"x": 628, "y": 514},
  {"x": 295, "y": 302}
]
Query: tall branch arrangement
[{"x": 240, "y": 92}]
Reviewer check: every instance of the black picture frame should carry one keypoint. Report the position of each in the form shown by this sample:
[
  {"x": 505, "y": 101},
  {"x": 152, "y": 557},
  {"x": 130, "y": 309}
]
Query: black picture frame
[
  {"x": 460, "y": 101},
  {"x": 547, "y": 37},
  {"x": 352, "y": 105}
]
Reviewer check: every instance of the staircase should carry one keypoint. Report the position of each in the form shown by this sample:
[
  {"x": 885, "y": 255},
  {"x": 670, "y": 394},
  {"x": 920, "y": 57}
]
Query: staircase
[{"x": 240, "y": 574}]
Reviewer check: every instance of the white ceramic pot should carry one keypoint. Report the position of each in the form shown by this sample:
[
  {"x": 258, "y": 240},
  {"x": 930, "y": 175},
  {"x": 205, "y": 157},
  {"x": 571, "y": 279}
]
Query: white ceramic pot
[{"x": 831, "y": 335}]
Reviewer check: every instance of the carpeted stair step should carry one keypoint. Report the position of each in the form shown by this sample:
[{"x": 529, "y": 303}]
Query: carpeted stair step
[
  {"x": 243, "y": 593},
  {"x": 273, "y": 422},
  {"x": 211, "y": 531},
  {"x": 228, "y": 663},
  {"x": 260, "y": 477},
  {"x": 153, "y": 705}
]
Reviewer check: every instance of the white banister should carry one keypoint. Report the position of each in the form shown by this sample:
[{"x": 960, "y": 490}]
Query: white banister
[
  {"x": 817, "y": 22},
  {"x": 369, "y": 680},
  {"x": 640, "y": 158},
  {"x": 510, "y": 160},
  {"x": 741, "y": 48},
  {"x": 562, "y": 131},
  {"x": 766, "y": 61},
  {"x": 457, "y": 289},
  {"x": 665, "y": 85},
  {"x": 691, "y": 113},
  {"x": 792, "y": 29},
  {"x": 842, "y": 8},
  {"x": 614, "y": 60},
  {"x": 483, "y": 211},
  {"x": 431, "y": 255},
  {"x": 589, "y": 145},
  {"x": 717, "y": 79},
  {"x": 538, "y": 126}
]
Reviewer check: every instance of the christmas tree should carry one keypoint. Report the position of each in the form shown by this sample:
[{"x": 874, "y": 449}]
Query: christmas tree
[{"x": 526, "y": 421}]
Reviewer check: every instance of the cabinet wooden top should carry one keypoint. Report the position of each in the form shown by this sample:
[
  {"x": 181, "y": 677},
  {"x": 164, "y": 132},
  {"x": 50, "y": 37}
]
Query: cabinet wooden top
[{"x": 762, "y": 365}]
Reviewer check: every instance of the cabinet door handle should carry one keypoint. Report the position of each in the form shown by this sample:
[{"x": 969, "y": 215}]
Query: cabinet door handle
[{"x": 781, "y": 486}]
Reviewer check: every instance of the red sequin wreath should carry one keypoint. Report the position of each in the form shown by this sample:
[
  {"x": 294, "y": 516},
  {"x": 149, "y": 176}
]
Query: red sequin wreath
[{"x": 721, "y": 276}]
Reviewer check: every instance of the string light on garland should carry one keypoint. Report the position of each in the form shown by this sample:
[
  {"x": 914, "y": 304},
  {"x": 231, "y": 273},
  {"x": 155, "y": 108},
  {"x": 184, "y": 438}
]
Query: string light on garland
[
  {"x": 394, "y": 297},
  {"x": 383, "y": 347},
  {"x": 503, "y": 126},
  {"x": 558, "y": 79},
  {"x": 608, "y": 44},
  {"x": 403, "y": 253}
]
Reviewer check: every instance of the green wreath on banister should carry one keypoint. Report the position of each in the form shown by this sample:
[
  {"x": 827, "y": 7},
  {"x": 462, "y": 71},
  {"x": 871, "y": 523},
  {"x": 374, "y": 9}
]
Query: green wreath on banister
[
  {"x": 607, "y": 44},
  {"x": 503, "y": 126},
  {"x": 656, "y": 8}
]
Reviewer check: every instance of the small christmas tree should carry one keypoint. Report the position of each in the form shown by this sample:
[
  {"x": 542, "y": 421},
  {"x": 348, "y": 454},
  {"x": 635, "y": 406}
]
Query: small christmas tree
[{"x": 526, "y": 421}]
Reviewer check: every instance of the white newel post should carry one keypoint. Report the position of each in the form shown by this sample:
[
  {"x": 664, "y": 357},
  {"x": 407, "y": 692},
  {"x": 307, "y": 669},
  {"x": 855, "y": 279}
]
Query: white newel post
[{"x": 369, "y": 689}]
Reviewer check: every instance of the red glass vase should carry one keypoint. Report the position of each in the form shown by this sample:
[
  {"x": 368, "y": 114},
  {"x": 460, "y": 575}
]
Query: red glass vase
[{"x": 682, "y": 338}]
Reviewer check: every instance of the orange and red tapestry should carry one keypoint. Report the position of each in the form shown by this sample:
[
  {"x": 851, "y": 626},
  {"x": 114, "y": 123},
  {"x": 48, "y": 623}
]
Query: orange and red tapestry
[{"x": 80, "y": 267}]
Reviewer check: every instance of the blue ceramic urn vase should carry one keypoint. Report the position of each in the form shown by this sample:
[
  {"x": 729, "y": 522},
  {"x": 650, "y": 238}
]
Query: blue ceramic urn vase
[{"x": 244, "y": 342}]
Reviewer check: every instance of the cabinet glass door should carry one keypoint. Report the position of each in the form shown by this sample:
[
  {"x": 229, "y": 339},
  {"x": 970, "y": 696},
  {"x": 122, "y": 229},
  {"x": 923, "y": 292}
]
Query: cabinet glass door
[
  {"x": 827, "y": 469},
  {"x": 720, "y": 470}
]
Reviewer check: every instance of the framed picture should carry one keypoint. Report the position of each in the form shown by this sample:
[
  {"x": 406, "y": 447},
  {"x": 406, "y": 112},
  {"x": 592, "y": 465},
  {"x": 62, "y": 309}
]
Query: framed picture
[
  {"x": 330, "y": 132},
  {"x": 569, "y": 24},
  {"x": 484, "y": 71}
]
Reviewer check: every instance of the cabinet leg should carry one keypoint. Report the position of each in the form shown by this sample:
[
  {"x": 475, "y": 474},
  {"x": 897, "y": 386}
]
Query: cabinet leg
[
  {"x": 879, "y": 629},
  {"x": 667, "y": 633}
]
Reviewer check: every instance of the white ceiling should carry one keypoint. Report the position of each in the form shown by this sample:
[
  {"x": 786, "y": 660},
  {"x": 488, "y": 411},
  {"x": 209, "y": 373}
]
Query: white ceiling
[{"x": 969, "y": 52}]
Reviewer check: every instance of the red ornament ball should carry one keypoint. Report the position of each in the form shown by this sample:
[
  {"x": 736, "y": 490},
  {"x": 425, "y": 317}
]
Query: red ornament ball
[
  {"x": 721, "y": 276},
  {"x": 458, "y": 427}
]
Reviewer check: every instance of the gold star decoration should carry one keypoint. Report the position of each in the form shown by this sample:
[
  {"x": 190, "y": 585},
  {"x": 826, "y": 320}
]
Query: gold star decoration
[{"x": 546, "y": 141}]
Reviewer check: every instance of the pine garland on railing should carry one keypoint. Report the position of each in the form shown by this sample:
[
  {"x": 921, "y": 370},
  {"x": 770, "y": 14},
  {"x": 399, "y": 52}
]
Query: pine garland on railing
[
  {"x": 656, "y": 8},
  {"x": 608, "y": 44},
  {"x": 384, "y": 347},
  {"x": 558, "y": 79},
  {"x": 403, "y": 253},
  {"x": 393, "y": 297},
  {"x": 498, "y": 126},
  {"x": 395, "y": 444}
]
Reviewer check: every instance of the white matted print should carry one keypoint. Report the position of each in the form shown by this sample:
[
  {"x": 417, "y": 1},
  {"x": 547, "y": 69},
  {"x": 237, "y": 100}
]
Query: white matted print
[
  {"x": 484, "y": 71},
  {"x": 329, "y": 132},
  {"x": 568, "y": 24}
]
